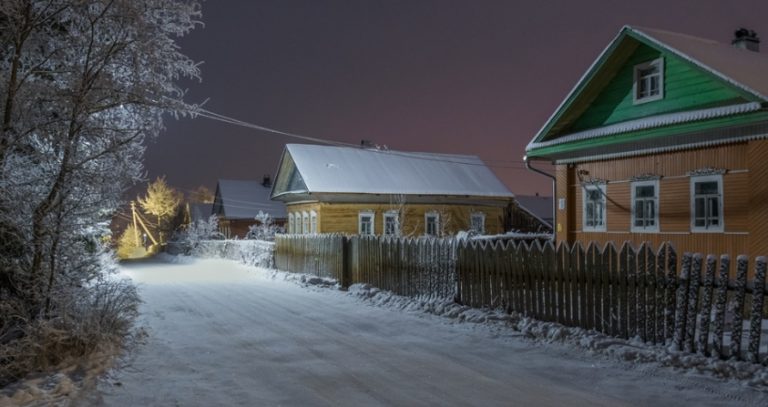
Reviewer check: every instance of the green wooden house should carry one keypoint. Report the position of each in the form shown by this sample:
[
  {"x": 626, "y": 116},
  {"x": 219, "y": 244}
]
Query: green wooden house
[{"x": 664, "y": 139}]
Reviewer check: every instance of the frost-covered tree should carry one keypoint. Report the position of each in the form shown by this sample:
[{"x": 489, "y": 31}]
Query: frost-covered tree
[
  {"x": 162, "y": 201},
  {"x": 129, "y": 243},
  {"x": 83, "y": 84}
]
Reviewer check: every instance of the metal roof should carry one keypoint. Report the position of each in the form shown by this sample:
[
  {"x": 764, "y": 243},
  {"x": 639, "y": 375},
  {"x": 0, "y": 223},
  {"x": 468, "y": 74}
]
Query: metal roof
[
  {"x": 243, "y": 199},
  {"x": 331, "y": 169}
]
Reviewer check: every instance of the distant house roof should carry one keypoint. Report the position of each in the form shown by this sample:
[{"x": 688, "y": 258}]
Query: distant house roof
[
  {"x": 539, "y": 206},
  {"x": 326, "y": 169},
  {"x": 243, "y": 199},
  {"x": 200, "y": 211}
]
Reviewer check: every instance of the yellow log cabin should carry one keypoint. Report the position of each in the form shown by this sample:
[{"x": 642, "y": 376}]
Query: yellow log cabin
[{"x": 370, "y": 191}]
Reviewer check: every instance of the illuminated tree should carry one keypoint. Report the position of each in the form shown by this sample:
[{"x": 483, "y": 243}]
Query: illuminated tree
[
  {"x": 129, "y": 243},
  {"x": 162, "y": 201}
]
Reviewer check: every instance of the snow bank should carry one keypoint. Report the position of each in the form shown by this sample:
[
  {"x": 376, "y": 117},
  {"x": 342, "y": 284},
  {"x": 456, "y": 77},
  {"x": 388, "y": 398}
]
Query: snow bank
[{"x": 633, "y": 351}]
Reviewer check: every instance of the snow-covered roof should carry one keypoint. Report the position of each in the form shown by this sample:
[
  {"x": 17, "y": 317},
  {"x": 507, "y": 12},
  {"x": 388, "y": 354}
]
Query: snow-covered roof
[
  {"x": 330, "y": 169},
  {"x": 243, "y": 199},
  {"x": 743, "y": 68},
  {"x": 739, "y": 67}
]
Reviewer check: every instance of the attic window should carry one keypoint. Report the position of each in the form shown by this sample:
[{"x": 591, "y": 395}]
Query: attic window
[{"x": 648, "y": 82}]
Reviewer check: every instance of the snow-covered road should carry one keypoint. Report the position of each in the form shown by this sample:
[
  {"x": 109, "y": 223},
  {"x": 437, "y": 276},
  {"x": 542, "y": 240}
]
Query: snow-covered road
[{"x": 222, "y": 334}]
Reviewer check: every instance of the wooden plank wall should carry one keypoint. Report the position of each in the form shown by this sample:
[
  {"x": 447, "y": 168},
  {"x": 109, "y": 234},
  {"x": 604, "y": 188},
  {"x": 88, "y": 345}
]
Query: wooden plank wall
[
  {"x": 745, "y": 199},
  {"x": 343, "y": 217}
]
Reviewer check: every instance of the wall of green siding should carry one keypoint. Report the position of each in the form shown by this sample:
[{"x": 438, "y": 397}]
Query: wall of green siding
[{"x": 685, "y": 88}]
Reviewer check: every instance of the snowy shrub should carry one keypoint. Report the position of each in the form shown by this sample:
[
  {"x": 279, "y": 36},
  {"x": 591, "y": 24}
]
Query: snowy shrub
[
  {"x": 265, "y": 229},
  {"x": 250, "y": 252},
  {"x": 83, "y": 320},
  {"x": 199, "y": 231}
]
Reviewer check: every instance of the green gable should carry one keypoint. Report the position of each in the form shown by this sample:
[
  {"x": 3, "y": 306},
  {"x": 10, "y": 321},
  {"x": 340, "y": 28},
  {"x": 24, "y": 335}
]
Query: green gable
[
  {"x": 710, "y": 91},
  {"x": 686, "y": 87}
]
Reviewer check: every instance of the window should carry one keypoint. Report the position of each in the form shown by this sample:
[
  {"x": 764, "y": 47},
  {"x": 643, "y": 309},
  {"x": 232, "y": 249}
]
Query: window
[
  {"x": 313, "y": 222},
  {"x": 649, "y": 81},
  {"x": 707, "y": 203},
  {"x": 304, "y": 223},
  {"x": 594, "y": 208},
  {"x": 432, "y": 223},
  {"x": 645, "y": 206},
  {"x": 365, "y": 223},
  {"x": 290, "y": 223},
  {"x": 477, "y": 222},
  {"x": 391, "y": 223}
]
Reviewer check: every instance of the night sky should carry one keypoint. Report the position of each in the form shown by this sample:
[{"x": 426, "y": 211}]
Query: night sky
[{"x": 473, "y": 77}]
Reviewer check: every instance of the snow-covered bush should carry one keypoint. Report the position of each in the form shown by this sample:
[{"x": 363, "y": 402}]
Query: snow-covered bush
[
  {"x": 257, "y": 253},
  {"x": 198, "y": 231},
  {"x": 264, "y": 229}
]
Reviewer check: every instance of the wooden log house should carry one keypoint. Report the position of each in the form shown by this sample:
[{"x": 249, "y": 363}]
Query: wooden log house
[
  {"x": 665, "y": 138},
  {"x": 370, "y": 191}
]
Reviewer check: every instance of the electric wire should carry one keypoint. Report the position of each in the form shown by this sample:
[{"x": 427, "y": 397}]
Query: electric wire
[{"x": 199, "y": 111}]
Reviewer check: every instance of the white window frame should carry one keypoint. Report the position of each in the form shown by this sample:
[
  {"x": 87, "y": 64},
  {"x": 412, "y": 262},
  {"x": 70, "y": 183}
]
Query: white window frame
[
  {"x": 636, "y": 99},
  {"x": 427, "y": 216},
  {"x": 721, "y": 206},
  {"x": 645, "y": 229},
  {"x": 372, "y": 216},
  {"x": 477, "y": 215},
  {"x": 291, "y": 224},
  {"x": 391, "y": 215},
  {"x": 313, "y": 222},
  {"x": 596, "y": 228},
  {"x": 304, "y": 223}
]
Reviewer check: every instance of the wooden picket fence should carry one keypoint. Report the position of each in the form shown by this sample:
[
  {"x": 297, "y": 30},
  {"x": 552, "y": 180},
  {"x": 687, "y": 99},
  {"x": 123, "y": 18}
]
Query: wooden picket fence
[
  {"x": 411, "y": 267},
  {"x": 692, "y": 303},
  {"x": 321, "y": 255}
]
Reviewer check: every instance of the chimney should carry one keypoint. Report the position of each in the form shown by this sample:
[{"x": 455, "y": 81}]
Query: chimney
[
  {"x": 367, "y": 144},
  {"x": 266, "y": 181},
  {"x": 746, "y": 39}
]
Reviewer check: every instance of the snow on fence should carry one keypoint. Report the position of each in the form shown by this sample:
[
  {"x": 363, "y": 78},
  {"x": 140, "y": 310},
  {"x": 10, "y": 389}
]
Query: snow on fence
[{"x": 630, "y": 293}]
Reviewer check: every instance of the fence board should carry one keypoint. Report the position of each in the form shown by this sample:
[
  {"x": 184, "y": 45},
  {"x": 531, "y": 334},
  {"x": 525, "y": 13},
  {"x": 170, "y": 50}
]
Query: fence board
[
  {"x": 738, "y": 299},
  {"x": 756, "y": 319},
  {"x": 705, "y": 311}
]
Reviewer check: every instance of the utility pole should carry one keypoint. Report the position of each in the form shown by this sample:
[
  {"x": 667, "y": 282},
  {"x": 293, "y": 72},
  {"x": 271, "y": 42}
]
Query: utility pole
[{"x": 135, "y": 226}]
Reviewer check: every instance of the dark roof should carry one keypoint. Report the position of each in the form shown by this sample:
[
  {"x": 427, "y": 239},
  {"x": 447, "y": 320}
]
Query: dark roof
[
  {"x": 243, "y": 199},
  {"x": 200, "y": 211},
  {"x": 539, "y": 206}
]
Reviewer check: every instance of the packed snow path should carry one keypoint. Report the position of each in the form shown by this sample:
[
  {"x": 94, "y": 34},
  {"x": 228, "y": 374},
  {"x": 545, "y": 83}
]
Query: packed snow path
[{"x": 221, "y": 334}]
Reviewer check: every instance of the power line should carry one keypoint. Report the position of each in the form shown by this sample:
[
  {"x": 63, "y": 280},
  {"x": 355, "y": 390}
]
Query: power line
[{"x": 199, "y": 111}]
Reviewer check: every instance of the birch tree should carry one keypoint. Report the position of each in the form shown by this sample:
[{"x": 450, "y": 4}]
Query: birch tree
[{"x": 83, "y": 85}]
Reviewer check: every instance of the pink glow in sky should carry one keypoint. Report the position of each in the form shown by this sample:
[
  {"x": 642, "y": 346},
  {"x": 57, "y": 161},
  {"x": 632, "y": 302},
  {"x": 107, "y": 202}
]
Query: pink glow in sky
[{"x": 466, "y": 77}]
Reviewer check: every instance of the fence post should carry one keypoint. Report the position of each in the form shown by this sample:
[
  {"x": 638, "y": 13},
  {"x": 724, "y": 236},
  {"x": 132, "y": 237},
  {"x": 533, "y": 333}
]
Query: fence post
[
  {"x": 755, "y": 330},
  {"x": 346, "y": 262}
]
